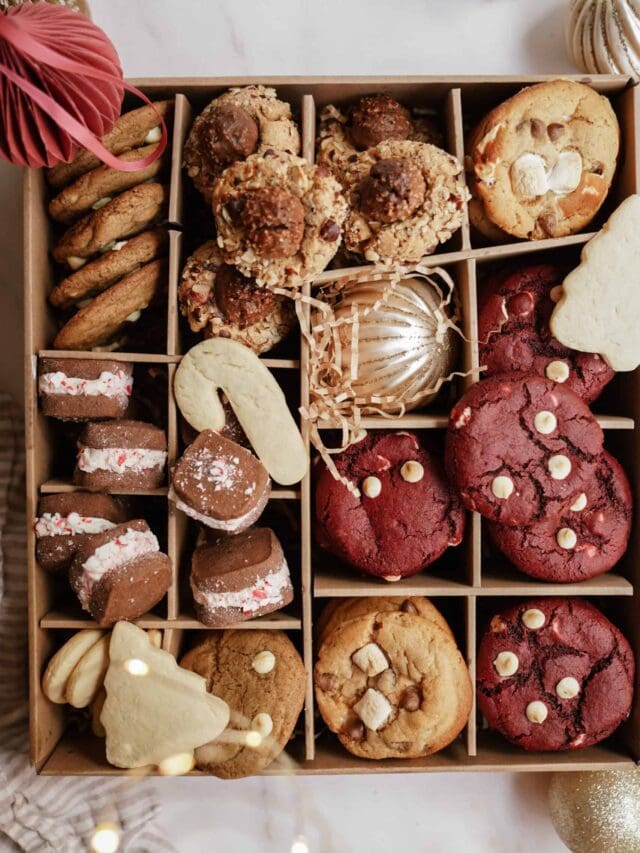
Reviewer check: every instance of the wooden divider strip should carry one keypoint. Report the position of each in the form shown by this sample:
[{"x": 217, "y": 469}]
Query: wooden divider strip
[
  {"x": 455, "y": 144},
  {"x": 470, "y": 628}
]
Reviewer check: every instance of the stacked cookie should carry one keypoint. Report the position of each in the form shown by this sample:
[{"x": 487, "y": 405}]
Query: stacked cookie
[
  {"x": 113, "y": 250},
  {"x": 389, "y": 678}
]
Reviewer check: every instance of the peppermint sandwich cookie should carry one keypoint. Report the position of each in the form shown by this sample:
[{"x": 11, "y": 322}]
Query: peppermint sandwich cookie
[
  {"x": 239, "y": 578},
  {"x": 66, "y": 521},
  {"x": 120, "y": 574},
  {"x": 120, "y": 455},
  {"x": 78, "y": 389},
  {"x": 220, "y": 484}
]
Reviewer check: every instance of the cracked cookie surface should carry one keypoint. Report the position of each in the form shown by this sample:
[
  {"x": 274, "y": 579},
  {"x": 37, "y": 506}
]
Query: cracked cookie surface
[
  {"x": 521, "y": 447},
  {"x": 554, "y": 674}
]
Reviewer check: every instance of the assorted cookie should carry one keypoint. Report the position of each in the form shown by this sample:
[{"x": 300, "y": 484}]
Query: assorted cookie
[{"x": 79, "y": 389}]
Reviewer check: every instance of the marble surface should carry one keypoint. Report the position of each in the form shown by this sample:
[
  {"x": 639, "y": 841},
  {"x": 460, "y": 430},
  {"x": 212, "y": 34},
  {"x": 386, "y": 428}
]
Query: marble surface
[{"x": 446, "y": 812}]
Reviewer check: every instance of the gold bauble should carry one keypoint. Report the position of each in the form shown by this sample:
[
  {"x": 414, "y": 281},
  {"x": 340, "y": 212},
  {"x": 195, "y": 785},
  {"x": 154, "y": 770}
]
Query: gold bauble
[
  {"x": 405, "y": 343},
  {"x": 597, "y": 812},
  {"x": 603, "y": 36}
]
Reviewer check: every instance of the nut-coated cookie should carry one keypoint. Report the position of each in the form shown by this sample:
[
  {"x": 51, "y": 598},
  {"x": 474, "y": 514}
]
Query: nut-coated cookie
[
  {"x": 521, "y": 447},
  {"x": 542, "y": 162},
  {"x": 405, "y": 198},
  {"x": 260, "y": 675},
  {"x": 554, "y": 674},
  {"x": 406, "y": 515},
  {"x": 514, "y": 309},
  {"x": 219, "y": 301},
  {"x": 392, "y": 685},
  {"x": 588, "y": 539}
]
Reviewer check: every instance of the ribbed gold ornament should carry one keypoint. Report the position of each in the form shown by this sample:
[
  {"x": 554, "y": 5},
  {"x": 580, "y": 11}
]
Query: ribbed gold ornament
[{"x": 603, "y": 36}]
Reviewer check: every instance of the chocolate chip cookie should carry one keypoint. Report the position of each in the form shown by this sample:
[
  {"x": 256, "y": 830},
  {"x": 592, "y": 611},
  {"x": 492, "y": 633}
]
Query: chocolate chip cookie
[
  {"x": 392, "y": 685},
  {"x": 260, "y": 675},
  {"x": 542, "y": 162}
]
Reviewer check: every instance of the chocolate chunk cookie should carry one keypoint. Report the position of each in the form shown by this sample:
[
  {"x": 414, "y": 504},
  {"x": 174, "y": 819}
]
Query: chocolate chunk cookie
[
  {"x": 554, "y": 674},
  {"x": 521, "y": 448},
  {"x": 392, "y": 685},
  {"x": 260, "y": 675}
]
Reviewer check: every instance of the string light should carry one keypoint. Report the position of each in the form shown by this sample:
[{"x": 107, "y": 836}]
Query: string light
[
  {"x": 300, "y": 845},
  {"x": 135, "y": 666},
  {"x": 106, "y": 837}
]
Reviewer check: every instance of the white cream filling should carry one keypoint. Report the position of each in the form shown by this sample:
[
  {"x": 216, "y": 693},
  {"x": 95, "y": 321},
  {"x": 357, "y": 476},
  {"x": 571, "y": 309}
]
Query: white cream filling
[
  {"x": 54, "y": 524},
  {"x": 118, "y": 460},
  {"x": 113, "y": 555},
  {"x": 265, "y": 591},
  {"x": 230, "y": 526},
  {"x": 108, "y": 384}
]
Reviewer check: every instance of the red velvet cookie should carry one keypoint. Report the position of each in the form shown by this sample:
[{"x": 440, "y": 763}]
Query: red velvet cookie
[
  {"x": 406, "y": 516},
  {"x": 513, "y": 328},
  {"x": 520, "y": 447},
  {"x": 554, "y": 674},
  {"x": 588, "y": 539}
]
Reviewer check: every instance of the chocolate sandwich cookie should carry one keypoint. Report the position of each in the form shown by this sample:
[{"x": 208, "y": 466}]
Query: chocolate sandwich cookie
[
  {"x": 120, "y": 455},
  {"x": 261, "y": 676},
  {"x": 588, "y": 538},
  {"x": 554, "y": 674},
  {"x": 66, "y": 521},
  {"x": 220, "y": 484},
  {"x": 124, "y": 257},
  {"x": 128, "y": 213},
  {"x": 521, "y": 447},
  {"x": 240, "y": 577},
  {"x": 80, "y": 389},
  {"x": 219, "y": 301},
  {"x": 131, "y": 130},
  {"x": 120, "y": 574},
  {"x": 405, "y": 516},
  {"x": 392, "y": 685},
  {"x": 513, "y": 329},
  {"x": 97, "y": 188},
  {"x": 111, "y": 312}
]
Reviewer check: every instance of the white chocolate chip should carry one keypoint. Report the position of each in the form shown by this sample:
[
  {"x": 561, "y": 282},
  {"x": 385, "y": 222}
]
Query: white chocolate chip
[
  {"x": 412, "y": 472},
  {"x": 545, "y": 422},
  {"x": 107, "y": 247},
  {"x": 502, "y": 487},
  {"x": 392, "y": 578},
  {"x": 133, "y": 317},
  {"x": 154, "y": 135},
  {"x": 119, "y": 245},
  {"x": 374, "y": 709},
  {"x": 464, "y": 418},
  {"x": 566, "y": 174},
  {"x": 101, "y": 202},
  {"x": 386, "y": 681},
  {"x": 264, "y": 662},
  {"x": 370, "y": 659},
  {"x": 263, "y": 724},
  {"x": 566, "y": 538},
  {"x": 506, "y": 664},
  {"x": 533, "y": 619},
  {"x": 372, "y": 487},
  {"x": 75, "y": 263},
  {"x": 568, "y": 687},
  {"x": 536, "y": 712},
  {"x": 558, "y": 371},
  {"x": 529, "y": 176},
  {"x": 580, "y": 503},
  {"x": 559, "y": 466}
]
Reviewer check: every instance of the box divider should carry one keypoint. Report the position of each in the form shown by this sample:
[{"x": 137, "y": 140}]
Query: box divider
[
  {"x": 470, "y": 626},
  {"x": 181, "y": 124},
  {"x": 173, "y": 525},
  {"x": 455, "y": 144}
]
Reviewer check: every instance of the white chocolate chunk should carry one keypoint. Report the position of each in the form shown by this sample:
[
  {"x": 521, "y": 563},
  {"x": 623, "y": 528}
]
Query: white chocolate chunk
[
  {"x": 264, "y": 662},
  {"x": 101, "y": 202},
  {"x": 568, "y": 687},
  {"x": 75, "y": 263},
  {"x": 502, "y": 487},
  {"x": 559, "y": 466},
  {"x": 392, "y": 578},
  {"x": 545, "y": 422},
  {"x": 558, "y": 371},
  {"x": 371, "y": 487},
  {"x": 566, "y": 174},
  {"x": 119, "y": 244},
  {"x": 464, "y": 418},
  {"x": 374, "y": 709},
  {"x": 154, "y": 135},
  {"x": 579, "y": 504},
  {"x": 533, "y": 619},
  {"x": 566, "y": 538},
  {"x": 412, "y": 472},
  {"x": 529, "y": 176},
  {"x": 370, "y": 659},
  {"x": 506, "y": 664},
  {"x": 263, "y": 724},
  {"x": 536, "y": 712}
]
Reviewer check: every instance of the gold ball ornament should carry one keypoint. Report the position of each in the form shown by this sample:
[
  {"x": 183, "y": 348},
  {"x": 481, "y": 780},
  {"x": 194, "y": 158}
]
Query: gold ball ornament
[
  {"x": 603, "y": 36},
  {"x": 597, "y": 811}
]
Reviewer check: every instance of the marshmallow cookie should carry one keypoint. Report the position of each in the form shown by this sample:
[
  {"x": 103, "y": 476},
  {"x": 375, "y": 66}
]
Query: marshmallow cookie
[
  {"x": 78, "y": 389},
  {"x": 542, "y": 162},
  {"x": 220, "y": 484},
  {"x": 554, "y": 674},
  {"x": 261, "y": 676},
  {"x": 240, "y": 577},
  {"x": 234, "y": 125},
  {"x": 120, "y": 455},
  {"x": 120, "y": 574},
  {"x": 521, "y": 448},
  {"x": 66, "y": 521}
]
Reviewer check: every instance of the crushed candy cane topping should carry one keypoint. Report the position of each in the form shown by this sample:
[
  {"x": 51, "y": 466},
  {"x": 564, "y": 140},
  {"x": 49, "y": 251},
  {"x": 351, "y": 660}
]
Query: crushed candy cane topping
[
  {"x": 266, "y": 590},
  {"x": 54, "y": 524},
  {"x": 118, "y": 384},
  {"x": 112, "y": 555},
  {"x": 117, "y": 460}
]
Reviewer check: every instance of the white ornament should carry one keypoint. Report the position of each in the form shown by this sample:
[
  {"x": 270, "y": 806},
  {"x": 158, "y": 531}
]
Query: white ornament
[{"x": 603, "y": 36}]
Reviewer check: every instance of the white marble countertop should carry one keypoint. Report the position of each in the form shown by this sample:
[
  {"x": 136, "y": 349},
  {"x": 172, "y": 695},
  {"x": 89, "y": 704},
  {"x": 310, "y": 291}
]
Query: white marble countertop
[{"x": 440, "y": 812}]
